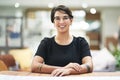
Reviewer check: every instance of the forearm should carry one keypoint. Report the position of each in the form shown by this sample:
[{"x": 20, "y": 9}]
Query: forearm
[
  {"x": 83, "y": 69},
  {"x": 48, "y": 68},
  {"x": 88, "y": 67},
  {"x": 87, "y": 64},
  {"x": 43, "y": 68},
  {"x": 75, "y": 68}
]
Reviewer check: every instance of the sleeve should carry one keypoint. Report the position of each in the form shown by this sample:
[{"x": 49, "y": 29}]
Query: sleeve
[
  {"x": 41, "y": 51},
  {"x": 84, "y": 47}
]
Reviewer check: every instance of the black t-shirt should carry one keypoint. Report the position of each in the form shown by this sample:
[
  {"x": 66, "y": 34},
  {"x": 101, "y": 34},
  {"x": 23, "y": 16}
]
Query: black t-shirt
[{"x": 61, "y": 55}]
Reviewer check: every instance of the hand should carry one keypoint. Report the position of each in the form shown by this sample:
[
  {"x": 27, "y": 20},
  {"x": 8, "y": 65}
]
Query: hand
[
  {"x": 61, "y": 72},
  {"x": 74, "y": 66}
]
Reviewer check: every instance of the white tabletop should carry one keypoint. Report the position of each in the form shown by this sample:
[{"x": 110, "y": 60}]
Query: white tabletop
[{"x": 12, "y": 77}]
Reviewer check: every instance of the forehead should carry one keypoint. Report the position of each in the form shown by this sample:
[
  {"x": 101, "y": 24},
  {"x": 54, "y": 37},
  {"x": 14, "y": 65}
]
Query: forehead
[{"x": 60, "y": 13}]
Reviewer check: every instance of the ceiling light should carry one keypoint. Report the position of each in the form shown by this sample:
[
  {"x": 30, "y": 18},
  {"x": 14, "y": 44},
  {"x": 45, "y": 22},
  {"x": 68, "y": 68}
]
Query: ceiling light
[
  {"x": 92, "y": 10},
  {"x": 17, "y": 5},
  {"x": 84, "y": 5},
  {"x": 50, "y": 5}
]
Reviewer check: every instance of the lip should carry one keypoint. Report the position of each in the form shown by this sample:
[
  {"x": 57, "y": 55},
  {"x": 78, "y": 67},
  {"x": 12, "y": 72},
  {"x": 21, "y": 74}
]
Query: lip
[{"x": 62, "y": 26}]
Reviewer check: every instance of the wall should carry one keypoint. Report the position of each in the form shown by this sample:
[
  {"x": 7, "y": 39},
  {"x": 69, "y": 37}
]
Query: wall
[
  {"x": 109, "y": 19},
  {"x": 11, "y": 11},
  {"x": 109, "y": 22}
]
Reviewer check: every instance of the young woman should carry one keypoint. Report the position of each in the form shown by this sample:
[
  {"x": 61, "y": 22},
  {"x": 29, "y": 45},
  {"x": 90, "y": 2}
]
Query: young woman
[{"x": 62, "y": 54}]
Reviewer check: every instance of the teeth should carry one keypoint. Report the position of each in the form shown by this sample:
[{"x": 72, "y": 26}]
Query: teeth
[{"x": 62, "y": 26}]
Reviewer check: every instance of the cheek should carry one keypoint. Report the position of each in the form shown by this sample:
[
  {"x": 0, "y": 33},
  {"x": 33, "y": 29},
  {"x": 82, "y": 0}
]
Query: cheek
[
  {"x": 69, "y": 22},
  {"x": 56, "y": 24}
]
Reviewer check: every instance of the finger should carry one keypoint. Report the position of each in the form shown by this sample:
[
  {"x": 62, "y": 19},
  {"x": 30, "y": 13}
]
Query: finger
[
  {"x": 77, "y": 67},
  {"x": 53, "y": 73},
  {"x": 62, "y": 74},
  {"x": 58, "y": 73}
]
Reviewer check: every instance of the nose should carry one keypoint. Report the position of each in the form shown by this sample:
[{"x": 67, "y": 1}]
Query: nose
[{"x": 61, "y": 21}]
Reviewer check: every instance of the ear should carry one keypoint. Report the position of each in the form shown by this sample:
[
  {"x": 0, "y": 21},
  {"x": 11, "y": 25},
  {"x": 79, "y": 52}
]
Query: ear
[{"x": 71, "y": 21}]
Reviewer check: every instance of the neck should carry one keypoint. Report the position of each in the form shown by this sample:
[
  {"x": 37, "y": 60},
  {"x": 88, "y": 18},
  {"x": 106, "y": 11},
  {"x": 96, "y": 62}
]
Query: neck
[
  {"x": 63, "y": 39},
  {"x": 62, "y": 36}
]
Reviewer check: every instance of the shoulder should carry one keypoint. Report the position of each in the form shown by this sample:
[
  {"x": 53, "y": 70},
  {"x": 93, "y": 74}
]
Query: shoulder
[
  {"x": 79, "y": 39},
  {"x": 47, "y": 40}
]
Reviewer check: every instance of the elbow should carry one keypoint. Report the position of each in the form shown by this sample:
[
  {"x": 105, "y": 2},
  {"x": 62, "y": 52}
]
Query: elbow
[
  {"x": 91, "y": 69},
  {"x": 33, "y": 69}
]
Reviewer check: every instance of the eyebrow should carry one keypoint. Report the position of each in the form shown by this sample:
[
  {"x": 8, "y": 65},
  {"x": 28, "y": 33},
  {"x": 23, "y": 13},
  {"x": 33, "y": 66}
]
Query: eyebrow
[{"x": 62, "y": 16}]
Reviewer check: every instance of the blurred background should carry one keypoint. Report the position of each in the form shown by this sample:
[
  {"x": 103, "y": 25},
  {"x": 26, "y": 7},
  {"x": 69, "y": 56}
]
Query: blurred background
[{"x": 23, "y": 23}]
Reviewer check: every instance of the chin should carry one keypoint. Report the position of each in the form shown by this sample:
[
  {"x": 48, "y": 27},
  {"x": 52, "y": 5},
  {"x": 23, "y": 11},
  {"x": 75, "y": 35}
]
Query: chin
[{"x": 62, "y": 31}]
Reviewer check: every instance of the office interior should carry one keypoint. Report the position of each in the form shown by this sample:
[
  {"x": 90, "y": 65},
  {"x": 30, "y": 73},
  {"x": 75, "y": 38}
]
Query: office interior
[{"x": 24, "y": 23}]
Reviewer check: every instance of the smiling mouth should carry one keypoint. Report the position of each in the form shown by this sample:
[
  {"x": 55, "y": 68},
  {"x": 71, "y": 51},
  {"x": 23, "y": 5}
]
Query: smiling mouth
[{"x": 62, "y": 26}]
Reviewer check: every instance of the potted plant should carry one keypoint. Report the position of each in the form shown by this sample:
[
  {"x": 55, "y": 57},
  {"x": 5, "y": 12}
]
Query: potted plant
[{"x": 116, "y": 54}]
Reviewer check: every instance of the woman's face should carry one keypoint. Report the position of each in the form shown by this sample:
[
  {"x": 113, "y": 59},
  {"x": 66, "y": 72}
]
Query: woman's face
[{"x": 62, "y": 21}]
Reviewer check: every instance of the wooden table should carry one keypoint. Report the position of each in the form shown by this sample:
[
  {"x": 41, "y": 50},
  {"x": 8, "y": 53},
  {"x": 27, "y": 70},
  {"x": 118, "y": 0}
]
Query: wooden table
[{"x": 22, "y": 73}]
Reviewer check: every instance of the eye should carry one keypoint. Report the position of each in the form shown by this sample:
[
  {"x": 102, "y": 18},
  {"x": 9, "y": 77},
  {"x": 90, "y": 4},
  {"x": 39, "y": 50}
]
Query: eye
[
  {"x": 65, "y": 17},
  {"x": 56, "y": 18}
]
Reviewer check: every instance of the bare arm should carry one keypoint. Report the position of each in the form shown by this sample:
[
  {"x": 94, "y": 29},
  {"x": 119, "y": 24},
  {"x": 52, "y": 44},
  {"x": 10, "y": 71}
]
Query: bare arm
[
  {"x": 75, "y": 68},
  {"x": 85, "y": 67},
  {"x": 39, "y": 66},
  {"x": 87, "y": 62},
  {"x": 71, "y": 68}
]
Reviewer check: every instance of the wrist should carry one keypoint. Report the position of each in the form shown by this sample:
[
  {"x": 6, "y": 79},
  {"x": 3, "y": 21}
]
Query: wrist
[
  {"x": 67, "y": 67},
  {"x": 87, "y": 68},
  {"x": 40, "y": 67},
  {"x": 70, "y": 70}
]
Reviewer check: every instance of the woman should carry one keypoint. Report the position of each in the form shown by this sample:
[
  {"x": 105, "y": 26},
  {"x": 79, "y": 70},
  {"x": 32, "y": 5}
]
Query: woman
[{"x": 62, "y": 54}]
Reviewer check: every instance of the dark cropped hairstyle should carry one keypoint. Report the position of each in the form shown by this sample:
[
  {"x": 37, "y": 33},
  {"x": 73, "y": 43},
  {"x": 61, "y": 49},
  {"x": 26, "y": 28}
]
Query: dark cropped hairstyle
[{"x": 60, "y": 8}]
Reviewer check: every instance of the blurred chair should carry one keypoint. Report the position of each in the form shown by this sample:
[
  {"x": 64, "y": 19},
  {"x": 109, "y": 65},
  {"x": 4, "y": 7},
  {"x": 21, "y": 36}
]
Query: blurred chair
[
  {"x": 23, "y": 57},
  {"x": 103, "y": 61},
  {"x": 3, "y": 66},
  {"x": 111, "y": 42},
  {"x": 9, "y": 61}
]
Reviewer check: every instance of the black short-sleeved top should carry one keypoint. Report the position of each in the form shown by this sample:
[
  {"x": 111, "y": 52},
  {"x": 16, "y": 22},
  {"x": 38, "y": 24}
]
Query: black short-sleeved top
[{"x": 61, "y": 55}]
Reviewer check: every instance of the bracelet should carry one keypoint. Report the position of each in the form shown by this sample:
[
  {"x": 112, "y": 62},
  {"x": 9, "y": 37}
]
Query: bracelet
[
  {"x": 40, "y": 67},
  {"x": 88, "y": 68}
]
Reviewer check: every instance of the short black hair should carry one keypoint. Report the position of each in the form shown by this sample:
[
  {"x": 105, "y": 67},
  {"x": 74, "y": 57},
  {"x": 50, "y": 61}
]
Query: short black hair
[{"x": 60, "y": 8}]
